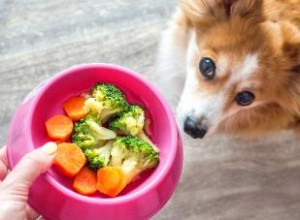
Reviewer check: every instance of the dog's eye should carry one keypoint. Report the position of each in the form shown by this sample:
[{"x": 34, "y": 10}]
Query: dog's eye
[
  {"x": 207, "y": 68},
  {"x": 244, "y": 98}
]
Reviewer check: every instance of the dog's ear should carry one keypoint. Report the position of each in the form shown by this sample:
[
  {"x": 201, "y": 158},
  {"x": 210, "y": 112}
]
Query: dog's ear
[{"x": 204, "y": 13}]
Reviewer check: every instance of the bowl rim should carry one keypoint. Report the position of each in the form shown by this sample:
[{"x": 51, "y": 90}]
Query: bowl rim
[{"x": 156, "y": 180}]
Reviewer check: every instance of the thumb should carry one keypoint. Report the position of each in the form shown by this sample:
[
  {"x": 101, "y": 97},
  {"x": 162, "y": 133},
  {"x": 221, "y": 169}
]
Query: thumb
[{"x": 30, "y": 167}]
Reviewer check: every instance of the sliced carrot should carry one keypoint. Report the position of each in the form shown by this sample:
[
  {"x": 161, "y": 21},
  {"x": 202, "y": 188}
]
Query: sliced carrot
[
  {"x": 85, "y": 182},
  {"x": 59, "y": 127},
  {"x": 69, "y": 159},
  {"x": 74, "y": 107},
  {"x": 111, "y": 180}
]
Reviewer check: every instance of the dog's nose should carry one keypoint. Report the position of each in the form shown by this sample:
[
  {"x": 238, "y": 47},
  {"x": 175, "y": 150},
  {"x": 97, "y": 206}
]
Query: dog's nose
[{"x": 194, "y": 128}]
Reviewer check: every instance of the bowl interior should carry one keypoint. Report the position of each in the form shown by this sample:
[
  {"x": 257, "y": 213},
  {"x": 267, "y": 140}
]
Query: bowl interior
[{"x": 75, "y": 81}]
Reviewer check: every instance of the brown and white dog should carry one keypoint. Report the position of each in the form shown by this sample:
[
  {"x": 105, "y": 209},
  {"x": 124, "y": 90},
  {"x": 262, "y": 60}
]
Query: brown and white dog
[{"x": 237, "y": 63}]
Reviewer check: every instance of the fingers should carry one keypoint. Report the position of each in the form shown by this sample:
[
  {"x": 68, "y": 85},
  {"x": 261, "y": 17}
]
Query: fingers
[
  {"x": 30, "y": 167},
  {"x": 3, "y": 163}
]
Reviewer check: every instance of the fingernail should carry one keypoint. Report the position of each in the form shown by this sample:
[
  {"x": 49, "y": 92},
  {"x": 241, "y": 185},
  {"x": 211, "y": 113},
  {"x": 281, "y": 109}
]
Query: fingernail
[{"x": 49, "y": 148}]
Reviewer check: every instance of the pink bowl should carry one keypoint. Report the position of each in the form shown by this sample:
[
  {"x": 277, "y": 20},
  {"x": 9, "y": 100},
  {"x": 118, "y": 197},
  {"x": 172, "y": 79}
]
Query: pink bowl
[{"x": 52, "y": 194}]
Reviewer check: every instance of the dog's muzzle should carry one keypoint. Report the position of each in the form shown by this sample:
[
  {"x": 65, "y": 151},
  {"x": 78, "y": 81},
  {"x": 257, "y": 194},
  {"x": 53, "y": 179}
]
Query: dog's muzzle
[{"x": 194, "y": 127}]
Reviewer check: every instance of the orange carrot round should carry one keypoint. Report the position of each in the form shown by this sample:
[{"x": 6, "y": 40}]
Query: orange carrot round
[
  {"x": 59, "y": 127},
  {"x": 85, "y": 182},
  {"x": 69, "y": 159},
  {"x": 74, "y": 107},
  {"x": 111, "y": 180}
]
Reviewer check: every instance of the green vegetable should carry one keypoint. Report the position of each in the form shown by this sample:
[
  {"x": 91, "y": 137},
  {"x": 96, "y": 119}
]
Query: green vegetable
[
  {"x": 98, "y": 157},
  {"x": 88, "y": 133},
  {"x": 133, "y": 155},
  {"x": 106, "y": 101},
  {"x": 130, "y": 122}
]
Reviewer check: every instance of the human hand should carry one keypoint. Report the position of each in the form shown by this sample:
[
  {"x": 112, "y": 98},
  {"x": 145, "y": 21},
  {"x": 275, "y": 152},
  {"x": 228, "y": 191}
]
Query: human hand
[{"x": 14, "y": 185}]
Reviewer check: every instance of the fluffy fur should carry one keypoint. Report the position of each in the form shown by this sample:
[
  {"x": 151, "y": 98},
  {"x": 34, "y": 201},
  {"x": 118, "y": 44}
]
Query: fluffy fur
[{"x": 255, "y": 45}]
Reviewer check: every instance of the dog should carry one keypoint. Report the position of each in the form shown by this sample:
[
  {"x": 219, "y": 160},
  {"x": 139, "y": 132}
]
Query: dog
[{"x": 234, "y": 65}]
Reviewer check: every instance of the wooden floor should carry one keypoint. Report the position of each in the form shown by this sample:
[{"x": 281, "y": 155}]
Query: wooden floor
[{"x": 223, "y": 179}]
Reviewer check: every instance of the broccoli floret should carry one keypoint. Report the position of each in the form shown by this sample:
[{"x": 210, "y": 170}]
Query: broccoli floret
[
  {"x": 130, "y": 122},
  {"x": 94, "y": 107},
  {"x": 133, "y": 155},
  {"x": 144, "y": 137},
  {"x": 111, "y": 98},
  {"x": 88, "y": 133},
  {"x": 98, "y": 157}
]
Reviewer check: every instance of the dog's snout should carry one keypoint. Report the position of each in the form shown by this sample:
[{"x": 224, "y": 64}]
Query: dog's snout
[{"x": 195, "y": 128}]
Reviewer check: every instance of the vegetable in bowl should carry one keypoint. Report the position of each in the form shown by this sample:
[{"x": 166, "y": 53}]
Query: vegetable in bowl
[
  {"x": 133, "y": 156},
  {"x": 106, "y": 101},
  {"x": 109, "y": 132},
  {"x": 129, "y": 122},
  {"x": 88, "y": 132},
  {"x": 99, "y": 157}
]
